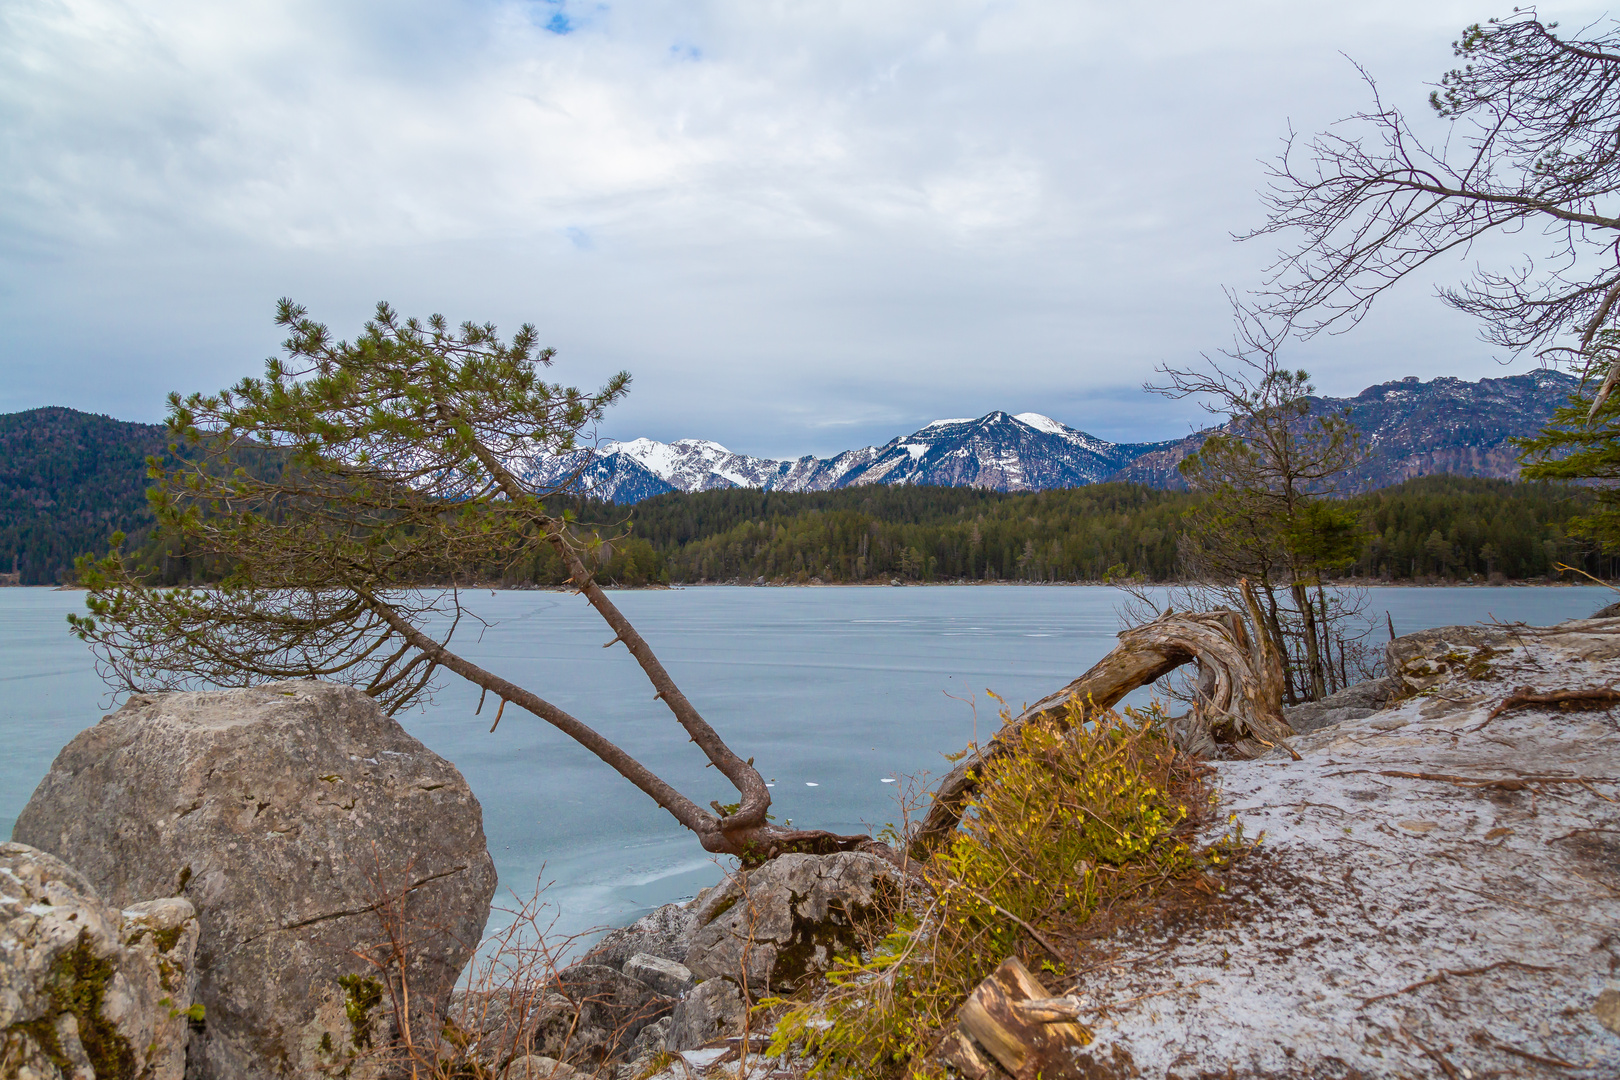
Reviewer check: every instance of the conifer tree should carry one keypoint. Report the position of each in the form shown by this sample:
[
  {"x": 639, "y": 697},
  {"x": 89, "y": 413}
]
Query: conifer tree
[{"x": 402, "y": 463}]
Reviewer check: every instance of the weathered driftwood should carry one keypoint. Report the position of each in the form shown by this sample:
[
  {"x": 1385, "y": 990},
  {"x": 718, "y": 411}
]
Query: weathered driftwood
[
  {"x": 1237, "y": 714},
  {"x": 1011, "y": 1018}
]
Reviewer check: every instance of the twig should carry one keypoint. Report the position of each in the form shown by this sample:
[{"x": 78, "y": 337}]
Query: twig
[
  {"x": 1291, "y": 751},
  {"x": 1592, "y": 697},
  {"x": 1113, "y": 962},
  {"x": 498, "y": 712},
  {"x": 1559, "y": 1062},
  {"x": 1280, "y": 805},
  {"x": 1156, "y": 993},
  {"x": 1434, "y": 1055},
  {"x": 1034, "y": 933},
  {"x": 1498, "y": 898},
  {"x": 1506, "y": 783},
  {"x": 1577, "y": 832},
  {"x": 1441, "y": 975},
  {"x": 1577, "y": 570}
]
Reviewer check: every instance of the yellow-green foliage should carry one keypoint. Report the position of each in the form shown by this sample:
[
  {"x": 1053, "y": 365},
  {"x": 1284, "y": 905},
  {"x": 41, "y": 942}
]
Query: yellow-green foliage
[{"x": 1078, "y": 817}]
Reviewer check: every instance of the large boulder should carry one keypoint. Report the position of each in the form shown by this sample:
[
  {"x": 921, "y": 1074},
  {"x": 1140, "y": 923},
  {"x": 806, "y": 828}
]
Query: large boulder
[
  {"x": 88, "y": 990},
  {"x": 787, "y": 919},
  {"x": 712, "y": 1012},
  {"x": 306, "y": 827}
]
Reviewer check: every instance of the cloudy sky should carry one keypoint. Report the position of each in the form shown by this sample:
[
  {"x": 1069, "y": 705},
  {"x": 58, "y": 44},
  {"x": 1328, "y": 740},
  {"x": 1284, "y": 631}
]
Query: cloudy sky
[{"x": 801, "y": 226}]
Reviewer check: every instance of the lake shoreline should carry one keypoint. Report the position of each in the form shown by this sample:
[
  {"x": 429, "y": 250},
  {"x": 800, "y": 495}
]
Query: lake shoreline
[
  {"x": 1350, "y": 584},
  {"x": 840, "y": 688},
  {"x": 892, "y": 584}
]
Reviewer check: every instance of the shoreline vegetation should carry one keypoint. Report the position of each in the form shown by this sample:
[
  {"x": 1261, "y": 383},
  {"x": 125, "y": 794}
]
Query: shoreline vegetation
[
  {"x": 1437, "y": 528},
  {"x": 658, "y": 586},
  {"x": 1434, "y": 530}
]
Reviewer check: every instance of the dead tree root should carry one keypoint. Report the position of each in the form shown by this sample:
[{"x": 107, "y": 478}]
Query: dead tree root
[{"x": 1238, "y": 713}]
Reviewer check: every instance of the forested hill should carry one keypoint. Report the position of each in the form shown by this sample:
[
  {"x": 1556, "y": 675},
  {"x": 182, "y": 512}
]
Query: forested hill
[
  {"x": 67, "y": 480},
  {"x": 1439, "y": 527}
]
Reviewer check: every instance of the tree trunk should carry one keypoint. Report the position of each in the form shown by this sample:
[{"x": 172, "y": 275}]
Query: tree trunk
[
  {"x": 1334, "y": 682},
  {"x": 1273, "y": 626},
  {"x": 1313, "y": 651},
  {"x": 1238, "y": 714}
]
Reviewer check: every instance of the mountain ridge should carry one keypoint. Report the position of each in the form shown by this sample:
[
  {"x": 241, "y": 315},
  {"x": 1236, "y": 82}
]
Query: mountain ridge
[{"x": 1411, "y": 428}]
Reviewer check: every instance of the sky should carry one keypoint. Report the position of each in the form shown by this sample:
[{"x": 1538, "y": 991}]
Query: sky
[{"x": 801, "y": 227}]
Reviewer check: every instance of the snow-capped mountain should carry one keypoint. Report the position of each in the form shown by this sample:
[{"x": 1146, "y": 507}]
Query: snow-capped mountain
[
  {"x": 1006, "y": 453},
  {"x": 1411, "y": 428}
]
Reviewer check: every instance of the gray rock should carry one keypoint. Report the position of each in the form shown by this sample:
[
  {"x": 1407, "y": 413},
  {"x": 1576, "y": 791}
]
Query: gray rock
[
  {"x": 714, "y": 1010},
  {"x": 284, "y": 813},
  {"x": 788, "y": 918},
  {"x": 1607, "y": 1010},
  {"x": 1351, "y": 703},
  {"x": 592, "y": 1014},
  {"x": 665, "y": 933},
  {"x": 1612, "y": 611},
  {"x": 538, "y": 1067},
  {"x": 652, "y": 1038},
  {"x": 665, "y": 976},
  {"x": 81, "y": 982},
  {"x": 1419, "y": 660}
]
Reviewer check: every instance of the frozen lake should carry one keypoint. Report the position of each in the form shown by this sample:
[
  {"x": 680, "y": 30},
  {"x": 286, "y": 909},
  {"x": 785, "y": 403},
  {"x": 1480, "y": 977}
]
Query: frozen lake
[{"x": 831, "y": 690}]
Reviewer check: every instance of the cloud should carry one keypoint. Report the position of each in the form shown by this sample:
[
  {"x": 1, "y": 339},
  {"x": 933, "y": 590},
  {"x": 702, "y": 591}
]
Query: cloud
[{"x": 797, "y": 224}]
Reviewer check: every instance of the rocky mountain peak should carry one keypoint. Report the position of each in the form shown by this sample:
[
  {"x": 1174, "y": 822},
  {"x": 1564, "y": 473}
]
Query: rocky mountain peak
[{"x": 1414, "y": 428}]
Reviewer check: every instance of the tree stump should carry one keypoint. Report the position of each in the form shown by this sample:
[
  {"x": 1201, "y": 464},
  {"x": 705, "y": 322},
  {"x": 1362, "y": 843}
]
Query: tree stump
[
  {"x": 1011, "y": 1019},
  {"x": 1237, "y": 712}
]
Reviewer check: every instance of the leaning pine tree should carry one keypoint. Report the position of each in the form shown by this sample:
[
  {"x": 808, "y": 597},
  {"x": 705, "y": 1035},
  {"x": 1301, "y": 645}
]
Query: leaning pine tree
[{"x": 401, "y": 463}]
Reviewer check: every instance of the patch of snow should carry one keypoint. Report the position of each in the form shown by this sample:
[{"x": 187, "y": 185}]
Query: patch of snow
[
  {"x": 1042, "y": 423},
  {"x": 1416, "y": 878}
]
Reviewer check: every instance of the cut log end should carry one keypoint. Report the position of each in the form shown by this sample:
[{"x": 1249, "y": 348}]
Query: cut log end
[{"x": 1012, "y": 1019}]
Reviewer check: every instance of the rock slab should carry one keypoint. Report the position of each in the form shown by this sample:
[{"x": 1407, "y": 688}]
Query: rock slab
[
  {"x": 665, "y": 976},
  {"x": 713, "y": 1011},
  {"x": 290, "y": 815},
  {"x": 88, "y": 990}
]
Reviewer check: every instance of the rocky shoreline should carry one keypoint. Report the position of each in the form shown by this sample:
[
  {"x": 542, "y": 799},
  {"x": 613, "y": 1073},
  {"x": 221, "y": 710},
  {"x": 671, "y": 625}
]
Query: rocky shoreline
[{"x": 280, "y": 882}]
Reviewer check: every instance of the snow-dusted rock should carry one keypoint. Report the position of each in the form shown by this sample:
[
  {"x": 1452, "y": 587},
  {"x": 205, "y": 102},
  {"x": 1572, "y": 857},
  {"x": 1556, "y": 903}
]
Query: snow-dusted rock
[
  {"x": 665, "y": 933},
  {"x": 88, "y": 990},
  {"x": 665, "y": 976},
  {"x": 1436, "y": 885}
]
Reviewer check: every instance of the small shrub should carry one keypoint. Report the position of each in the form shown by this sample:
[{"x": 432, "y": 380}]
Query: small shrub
[{"x": 1083, "y": 818}]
